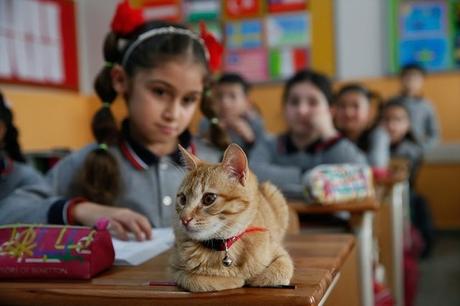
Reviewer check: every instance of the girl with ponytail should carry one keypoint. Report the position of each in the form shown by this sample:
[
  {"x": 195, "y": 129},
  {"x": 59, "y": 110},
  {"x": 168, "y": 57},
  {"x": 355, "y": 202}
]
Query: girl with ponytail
[
  {"x": 353, "y": 118},
  {"x": 131, "y": 174}
]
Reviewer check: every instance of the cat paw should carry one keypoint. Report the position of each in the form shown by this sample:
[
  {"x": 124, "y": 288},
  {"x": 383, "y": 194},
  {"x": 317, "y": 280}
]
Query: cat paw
[
  {"x": 278, "y": 273},
  {"x": 202, "y": 283}
]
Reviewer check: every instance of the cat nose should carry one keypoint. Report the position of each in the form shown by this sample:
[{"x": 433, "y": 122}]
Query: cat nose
[{"x": 186, "y": 220}]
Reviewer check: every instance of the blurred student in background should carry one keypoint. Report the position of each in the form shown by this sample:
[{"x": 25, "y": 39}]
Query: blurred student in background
[
  {"x": 353, "y": 118},
  {"x": 235, "y": 113},
  {"x": 310, "y": 139},
  {"x": 421, "y": 111},
  {"x": 396, "y": 120}
]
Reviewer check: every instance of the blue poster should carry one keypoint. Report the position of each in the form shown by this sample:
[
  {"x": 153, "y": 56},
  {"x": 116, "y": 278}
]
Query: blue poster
[
  {"x": 433, "y": 54},
  {"x": 425, "y": 18}
]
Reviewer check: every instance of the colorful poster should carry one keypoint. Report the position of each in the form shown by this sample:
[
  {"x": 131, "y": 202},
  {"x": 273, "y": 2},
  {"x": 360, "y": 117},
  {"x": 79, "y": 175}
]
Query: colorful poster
[
  {"x": 197, "y": 10},
  {"x": 278, "y": 6},
  {"x": 289, "y": 30},
  {"x": 244, "y": 34},
  {"x": 238, "y": 9},
  {"x": 286, "y": 61},
  {"x": 432, "y": 53},
  {"x": 252, "y": 63},
  {"x": 424, "y": 35},
  {"x": 162, "y": 10}
]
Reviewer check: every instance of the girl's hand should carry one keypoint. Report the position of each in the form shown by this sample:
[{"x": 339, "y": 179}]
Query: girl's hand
[
  {"x": 122, "y": 220},
  {"x": 322, "y": 123},
  {"x": 242, "y": 128}
]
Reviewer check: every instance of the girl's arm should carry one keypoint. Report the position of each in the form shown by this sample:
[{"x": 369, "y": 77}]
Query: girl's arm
[{"x": 378, "y": 153}]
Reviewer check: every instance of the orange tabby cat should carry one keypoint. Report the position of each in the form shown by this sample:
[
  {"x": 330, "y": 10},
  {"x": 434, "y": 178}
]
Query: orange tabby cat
[{"x": 222, "y": 206}]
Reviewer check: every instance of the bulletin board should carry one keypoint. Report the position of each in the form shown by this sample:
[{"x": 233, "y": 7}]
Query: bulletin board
[
  {"x": 263, "y": 40},
  {"x": 425, "y": 32},
  {"x": 38, "y": 44}
]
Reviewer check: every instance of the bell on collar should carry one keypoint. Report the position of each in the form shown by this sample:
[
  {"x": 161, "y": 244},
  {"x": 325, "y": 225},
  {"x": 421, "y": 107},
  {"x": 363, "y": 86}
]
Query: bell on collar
[{"x": 227, "y": 261}]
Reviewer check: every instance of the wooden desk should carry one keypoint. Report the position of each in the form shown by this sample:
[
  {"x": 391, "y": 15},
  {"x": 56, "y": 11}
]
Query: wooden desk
[
  {"x": 362, "y": 212},
  {"x": 318, "y": 261}
]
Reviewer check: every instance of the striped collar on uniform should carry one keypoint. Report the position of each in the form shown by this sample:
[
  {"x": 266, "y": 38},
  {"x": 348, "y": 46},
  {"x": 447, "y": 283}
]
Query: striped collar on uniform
[
  {"x": 141, "y": 158},
  {"x": 286, "y": 145}
]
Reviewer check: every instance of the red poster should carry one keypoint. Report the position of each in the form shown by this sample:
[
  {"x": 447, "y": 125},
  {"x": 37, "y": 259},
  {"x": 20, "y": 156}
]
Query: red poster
[
  {"x": 237, "y": 9},
  {"x": 278, "y": 6}
]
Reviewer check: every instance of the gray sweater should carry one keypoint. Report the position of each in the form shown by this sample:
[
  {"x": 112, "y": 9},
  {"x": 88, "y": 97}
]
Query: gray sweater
[
  {"x": 424, "y": 121},
  {"x": 375, "y": 144},
  {"x": 277, "y": 160},
  {"x": 25, "y": 196},
  {"x": 149, "y": 183}
]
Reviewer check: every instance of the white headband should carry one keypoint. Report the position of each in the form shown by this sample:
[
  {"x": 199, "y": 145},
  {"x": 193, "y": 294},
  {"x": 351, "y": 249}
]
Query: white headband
[{"x": 163, "y": 30}]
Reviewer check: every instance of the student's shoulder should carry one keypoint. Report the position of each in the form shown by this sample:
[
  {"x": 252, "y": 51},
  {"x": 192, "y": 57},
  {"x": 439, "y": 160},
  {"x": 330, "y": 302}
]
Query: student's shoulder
[
  {"x": 379, "y": 133},
  {"x": 76, "y": 157},
  {"x": 26, "y": 171},
  {"x": 205, "y": 150}
]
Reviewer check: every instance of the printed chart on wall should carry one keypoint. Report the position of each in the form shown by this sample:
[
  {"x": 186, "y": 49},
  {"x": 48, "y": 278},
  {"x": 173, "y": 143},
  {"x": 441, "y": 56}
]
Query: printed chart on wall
[
  {"x": 38, "y": 43},
  {"x": 427, "y": 32}
]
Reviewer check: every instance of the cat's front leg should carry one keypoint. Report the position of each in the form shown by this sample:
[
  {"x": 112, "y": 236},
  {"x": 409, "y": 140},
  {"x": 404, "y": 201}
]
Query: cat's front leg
[
  {"x": 279, "y": 272},
  {"x": 204, "y": 283}
]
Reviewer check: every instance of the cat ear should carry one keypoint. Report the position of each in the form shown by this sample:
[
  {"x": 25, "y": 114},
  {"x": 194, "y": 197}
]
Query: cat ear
[
  {"x": 236, "y": 163},
  {"x": 190, "y": 161}
]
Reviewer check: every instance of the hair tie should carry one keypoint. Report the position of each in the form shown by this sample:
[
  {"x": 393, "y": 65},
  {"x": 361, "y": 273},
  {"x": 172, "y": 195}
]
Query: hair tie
[
  {"x": 106, "y": 104},
  {"x": 214, "y": 120},
  {"x": 103, "y": 146}
]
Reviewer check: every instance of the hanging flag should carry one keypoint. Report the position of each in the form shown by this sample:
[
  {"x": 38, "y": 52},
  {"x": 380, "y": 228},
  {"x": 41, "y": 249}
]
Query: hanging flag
[{"x": 286, "y": 61}]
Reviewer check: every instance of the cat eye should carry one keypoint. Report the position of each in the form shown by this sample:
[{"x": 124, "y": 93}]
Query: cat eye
[
  {"x": 181, "y": 199},
  {"x": 208, "y": 198}
]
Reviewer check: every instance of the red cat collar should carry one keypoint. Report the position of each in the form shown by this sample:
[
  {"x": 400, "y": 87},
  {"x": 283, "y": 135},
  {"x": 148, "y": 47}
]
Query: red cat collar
[{"x": 225, "y": 244}]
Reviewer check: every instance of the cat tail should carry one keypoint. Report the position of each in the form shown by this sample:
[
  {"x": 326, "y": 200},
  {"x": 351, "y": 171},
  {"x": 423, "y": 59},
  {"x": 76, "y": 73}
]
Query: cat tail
[{"x": 278, "y": 205}]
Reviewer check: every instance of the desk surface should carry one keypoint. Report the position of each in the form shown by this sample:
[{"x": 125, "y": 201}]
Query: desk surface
[
  {"x": 354, "y": 206},
  {"x": 317, "y": 260}
]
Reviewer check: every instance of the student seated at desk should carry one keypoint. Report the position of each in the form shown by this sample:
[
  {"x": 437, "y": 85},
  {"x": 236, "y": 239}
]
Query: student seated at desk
[
  {"x": 160, "y": 70},
  {"x": 396, "y": 119},
  {"x": 235, "y": 113},
  {"x": 422, "y": 114},
  {"x": 310, "y": 139},
  {"x": 25, "y": 196},
  {"x": 352, "y": 117}
]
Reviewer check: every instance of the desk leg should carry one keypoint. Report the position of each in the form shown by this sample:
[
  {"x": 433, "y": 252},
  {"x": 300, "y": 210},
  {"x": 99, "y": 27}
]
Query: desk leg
[
  {"x": 363, "y": 230},
  {"x": 399, "y": 199}
]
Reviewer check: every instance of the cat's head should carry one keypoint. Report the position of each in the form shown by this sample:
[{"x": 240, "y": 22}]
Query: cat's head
[{"x": 216, "y": 201}]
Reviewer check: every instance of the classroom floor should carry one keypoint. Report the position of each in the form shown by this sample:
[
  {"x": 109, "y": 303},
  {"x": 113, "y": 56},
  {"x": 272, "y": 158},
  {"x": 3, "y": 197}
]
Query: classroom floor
[{"x": 440, "y": 273}]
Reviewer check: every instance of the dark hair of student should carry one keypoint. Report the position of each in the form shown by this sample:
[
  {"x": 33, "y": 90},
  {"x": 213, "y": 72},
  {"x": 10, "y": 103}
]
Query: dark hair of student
[
  {"x": 412, "y": 67},
  {"x": 99, "y": 179},
  {"x": 9, "y": 143},
  {"x": 398, "y": 104},
  {"x": 319, "y": 80},
  {"x": 234, "y": 78},
  {"x": 361, "y": 89}
]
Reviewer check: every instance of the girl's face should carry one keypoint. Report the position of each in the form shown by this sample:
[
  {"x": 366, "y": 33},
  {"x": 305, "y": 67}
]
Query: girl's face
[
  {"x": 352, "y": 112},
  {"x": 231, "y": 100},
  {"x": 162, "y": 101},
  {"x": 396, "y": 122},
  {"x": 304, "y": 109}
]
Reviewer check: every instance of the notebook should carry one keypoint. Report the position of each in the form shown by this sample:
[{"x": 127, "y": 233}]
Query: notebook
[{"x": 133, "y": 253}]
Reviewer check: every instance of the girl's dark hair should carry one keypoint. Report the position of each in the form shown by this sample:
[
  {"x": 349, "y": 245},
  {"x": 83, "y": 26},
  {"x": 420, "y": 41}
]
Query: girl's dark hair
[
  {"x": 321, "y": 81},
  {"x": 10, "y": 142},
  {"x": 358, "y": 88},
  {"x": 234, "y": 78},
  {"x": 99, "y": 179},
  {"x": 398, "y": 102},
  {"x": 412, "y": 67}
]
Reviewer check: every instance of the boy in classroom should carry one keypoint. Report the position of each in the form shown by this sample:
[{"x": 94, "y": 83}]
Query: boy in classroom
[
  {"x": 422, "y": 113},
  {"x": 353, "y": 118},
  {"x": 235, "y": 113},
  {"x": 131, "y": 175},
  {"x": 310, "y": 139}
]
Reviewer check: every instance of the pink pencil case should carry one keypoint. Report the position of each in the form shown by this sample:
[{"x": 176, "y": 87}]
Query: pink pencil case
[{"x": 29, "y": 251}]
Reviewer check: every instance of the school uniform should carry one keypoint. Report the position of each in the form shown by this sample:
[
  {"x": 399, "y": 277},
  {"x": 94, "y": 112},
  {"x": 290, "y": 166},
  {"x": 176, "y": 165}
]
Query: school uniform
[
  {"x": 149, "y": 182},
  {"x": 375, "y": 144},
  {"x": 278, "y": 160},
  {"x": 423, "y": 119},
  {"x": 410, "y": 151},
  {"x": 25, "y": 196},
  {"x": 255, "y": 122}
]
